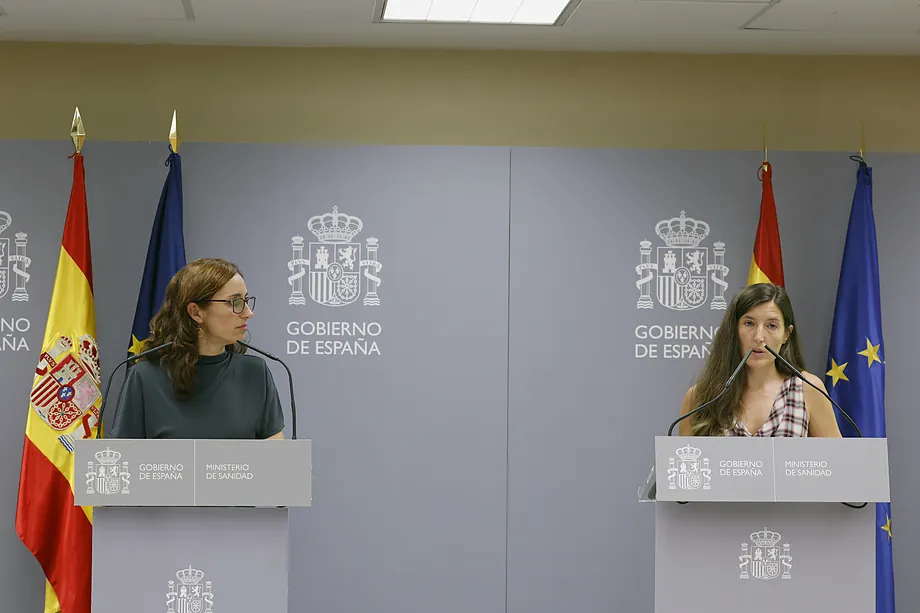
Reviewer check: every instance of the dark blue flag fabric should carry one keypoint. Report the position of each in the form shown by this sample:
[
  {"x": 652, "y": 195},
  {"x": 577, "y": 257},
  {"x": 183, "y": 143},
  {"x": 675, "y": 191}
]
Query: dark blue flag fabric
[
  {"x": 165, "y": 254},
  {"x": 856, "y": 359}
]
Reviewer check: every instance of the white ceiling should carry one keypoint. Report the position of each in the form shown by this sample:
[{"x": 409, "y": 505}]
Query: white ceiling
[{"x": 705, "y": 26}]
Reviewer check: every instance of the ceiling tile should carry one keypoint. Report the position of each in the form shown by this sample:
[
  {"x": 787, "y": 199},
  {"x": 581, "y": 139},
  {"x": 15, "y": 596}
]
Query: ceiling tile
[
  {"x": 655, "y": 18},
  {"x": 306, "y": 13},
  {"x": 57, "y": 11},
  {"x": 852, "y": 16}
]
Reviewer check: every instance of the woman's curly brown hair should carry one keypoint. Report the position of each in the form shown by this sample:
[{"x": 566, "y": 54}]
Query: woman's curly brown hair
[{"x": 197, "y": 282}]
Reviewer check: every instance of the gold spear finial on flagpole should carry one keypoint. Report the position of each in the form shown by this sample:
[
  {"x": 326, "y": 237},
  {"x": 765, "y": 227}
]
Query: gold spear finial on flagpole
[
  {"x": 174, "y": 135},
  {"x": 77, "y": 133}
]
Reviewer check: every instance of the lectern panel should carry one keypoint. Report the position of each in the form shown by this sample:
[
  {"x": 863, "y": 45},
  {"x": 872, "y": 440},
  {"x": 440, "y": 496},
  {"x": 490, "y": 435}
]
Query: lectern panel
[
  {"x": 764, "y": 558},
  {"x": 190, "y": 560}
]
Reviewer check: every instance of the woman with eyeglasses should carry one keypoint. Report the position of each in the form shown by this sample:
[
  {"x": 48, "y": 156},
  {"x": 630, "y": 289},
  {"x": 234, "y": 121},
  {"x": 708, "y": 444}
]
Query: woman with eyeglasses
[{"x": 203, "y": 385}]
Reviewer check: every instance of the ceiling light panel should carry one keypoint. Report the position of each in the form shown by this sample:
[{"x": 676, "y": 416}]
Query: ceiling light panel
[
  {"x": 495, "y": 11},
  {"x": 450, "y": 10},
  {"x": 517, "y": 12}
]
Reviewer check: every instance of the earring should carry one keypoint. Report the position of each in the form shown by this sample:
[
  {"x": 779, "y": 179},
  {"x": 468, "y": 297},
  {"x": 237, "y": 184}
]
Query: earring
[{"x": 200, "y": 332}]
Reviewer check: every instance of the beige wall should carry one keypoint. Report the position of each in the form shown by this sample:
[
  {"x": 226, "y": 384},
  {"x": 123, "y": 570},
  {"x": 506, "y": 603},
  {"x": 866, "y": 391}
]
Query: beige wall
[{"x": 471, "y": 98}]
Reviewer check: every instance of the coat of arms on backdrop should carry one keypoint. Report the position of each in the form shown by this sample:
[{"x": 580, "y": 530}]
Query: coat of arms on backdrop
[
  {"x": 338, "y": 274},
  {"x": 682, "y": 266},
  {"x": 13, "y": 261}
]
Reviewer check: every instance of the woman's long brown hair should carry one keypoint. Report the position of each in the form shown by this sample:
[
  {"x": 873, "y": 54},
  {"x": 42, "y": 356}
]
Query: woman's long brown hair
[
  {"x": 198, "y": 281},
  {"x": 725, "y": 354}
]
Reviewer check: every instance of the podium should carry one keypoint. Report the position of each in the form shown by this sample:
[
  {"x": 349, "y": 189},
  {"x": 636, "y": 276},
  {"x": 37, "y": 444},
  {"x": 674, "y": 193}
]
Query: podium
[
  {"x": 191, "y": 526},
  {"x": 759, "y": 525}
]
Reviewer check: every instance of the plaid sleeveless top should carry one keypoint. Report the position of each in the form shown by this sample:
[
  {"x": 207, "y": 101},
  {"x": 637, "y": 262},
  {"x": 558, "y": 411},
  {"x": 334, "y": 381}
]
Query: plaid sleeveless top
[{"x": 788, "y": 417}]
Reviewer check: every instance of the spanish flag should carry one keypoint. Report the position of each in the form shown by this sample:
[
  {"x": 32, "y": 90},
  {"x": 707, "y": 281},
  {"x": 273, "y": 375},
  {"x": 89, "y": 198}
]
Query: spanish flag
[
  {"x": 64, "y": 406},
  {"x": 767, "y": 261}
]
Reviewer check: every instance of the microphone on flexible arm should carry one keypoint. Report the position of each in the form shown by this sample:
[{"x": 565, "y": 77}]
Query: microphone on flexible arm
[
  {"x": 719, "y": 395},
  {"x": 290, "y": 384},
  {"x": 651, "y": 481},
  {"x": 120, "y": 364},
  {"x": 801, "y": 376}
]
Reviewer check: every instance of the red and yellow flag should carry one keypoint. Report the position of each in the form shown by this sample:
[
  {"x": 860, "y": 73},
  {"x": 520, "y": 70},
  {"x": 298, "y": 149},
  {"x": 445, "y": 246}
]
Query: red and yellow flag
[
  {"x": 64, "y": 406},
  {"x": 767, "y": 260}
]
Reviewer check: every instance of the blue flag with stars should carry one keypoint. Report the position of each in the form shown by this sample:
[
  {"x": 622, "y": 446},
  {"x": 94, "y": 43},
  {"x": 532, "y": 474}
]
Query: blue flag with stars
[
  {"x": 165, "y": 253},
  {"x": 856, "y": 360}
]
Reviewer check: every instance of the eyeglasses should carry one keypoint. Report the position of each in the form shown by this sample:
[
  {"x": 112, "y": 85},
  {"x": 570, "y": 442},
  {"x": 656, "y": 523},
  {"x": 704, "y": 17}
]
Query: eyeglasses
[{"x": 238, "y": 303}]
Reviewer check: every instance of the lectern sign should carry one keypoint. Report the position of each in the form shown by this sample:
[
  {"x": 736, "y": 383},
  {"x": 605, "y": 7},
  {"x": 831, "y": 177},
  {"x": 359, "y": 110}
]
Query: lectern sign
[
  {"x": 136, "y": 473},
  {"x": 699, "y": 468},
  {"x": 194, "y": 473},
  {"x": 766, "y": 469}
]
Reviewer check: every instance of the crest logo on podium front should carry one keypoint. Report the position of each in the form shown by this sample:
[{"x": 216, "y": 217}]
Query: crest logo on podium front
[
  {"x": 189, "y": 594},
  {"x": 764, "y": 557},
  {"x": 683, "y": 267},
  {"x": 106, "y": 476},
  {"x": 689, "y": 471}
]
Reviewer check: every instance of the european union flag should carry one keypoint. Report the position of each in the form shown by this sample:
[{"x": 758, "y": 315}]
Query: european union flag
[
  {"x": 856, "y": 360},
  {"x": 165, "y": 253}
]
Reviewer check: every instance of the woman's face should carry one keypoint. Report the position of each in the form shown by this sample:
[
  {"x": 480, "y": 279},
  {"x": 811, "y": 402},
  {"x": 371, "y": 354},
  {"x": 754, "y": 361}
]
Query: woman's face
[
  {"x": 762, "y": 325},
  {"x": 219, "y": 323}
]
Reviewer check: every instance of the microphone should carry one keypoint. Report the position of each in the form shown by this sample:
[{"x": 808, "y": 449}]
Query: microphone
[
  {"x": 651, "y": 482},
  {"x": 120, "y": 364},
  {"x": 290, "y": 384},
  {"x": 719, "y": 395},
  {"x": 799, "y": 374}
]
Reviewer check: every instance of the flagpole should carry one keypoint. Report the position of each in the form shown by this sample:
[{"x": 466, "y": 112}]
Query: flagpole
[
  {"x": 862, "y": 139},
  {"x": 764, "y": 125}
]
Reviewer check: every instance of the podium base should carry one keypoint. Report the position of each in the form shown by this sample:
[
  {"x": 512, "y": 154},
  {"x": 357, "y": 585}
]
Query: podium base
[
  {"x": 190, "y": 559},
  {"x": 764, "y": 557}
]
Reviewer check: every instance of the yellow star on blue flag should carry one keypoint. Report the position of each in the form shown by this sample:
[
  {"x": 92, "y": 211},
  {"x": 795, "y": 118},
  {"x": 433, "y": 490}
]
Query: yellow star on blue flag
[
  {"x": 871, "y": 353},
  {"x": 857, "y": 331}
]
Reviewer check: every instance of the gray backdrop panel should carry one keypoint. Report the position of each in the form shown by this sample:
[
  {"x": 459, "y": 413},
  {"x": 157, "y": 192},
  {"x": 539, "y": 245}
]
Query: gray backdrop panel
[
  {"x": 409, "y": 446},
  {"x": 583, "y": 408}
]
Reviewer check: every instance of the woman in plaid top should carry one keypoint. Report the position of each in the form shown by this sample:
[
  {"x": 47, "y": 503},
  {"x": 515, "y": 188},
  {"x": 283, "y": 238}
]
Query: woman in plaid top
[{"x": 766, "y": 398}]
